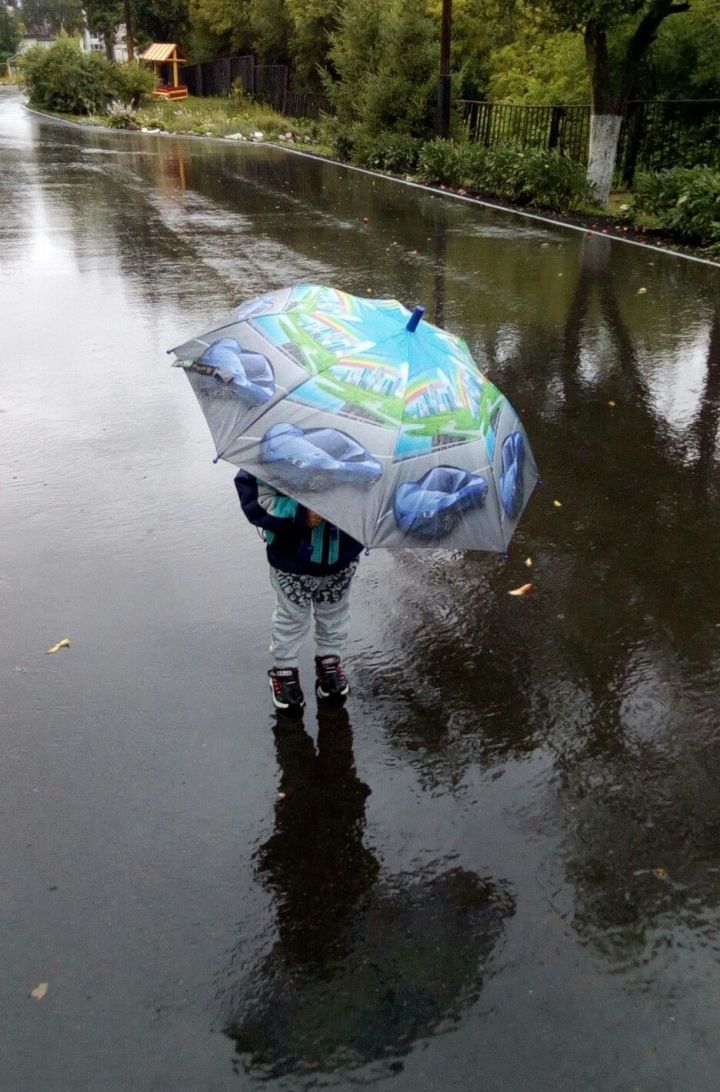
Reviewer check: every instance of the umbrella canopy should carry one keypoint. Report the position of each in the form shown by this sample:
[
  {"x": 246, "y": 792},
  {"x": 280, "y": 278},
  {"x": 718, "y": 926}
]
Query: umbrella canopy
[{"x": 367, "y": 414}]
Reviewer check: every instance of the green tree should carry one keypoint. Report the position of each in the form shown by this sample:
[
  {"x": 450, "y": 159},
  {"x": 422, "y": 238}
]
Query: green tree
[
  {"x": 56, "y": 15},
  {"x": 10, "y": 34},
  {"x": 103, "y": 17},
  {"x": 269, "y": 29},
  {"x": 312, "y": 22},
  {"x": 161, "y": 20},
  {"x": 385, "y": 62},
  {"x": 684, "y": 60},
  {"x": 617, "y": 35},
  {"x": 540, "y": 68},
  {"x": 229, "y": 21},
  {"x": 354, "y": 54}
]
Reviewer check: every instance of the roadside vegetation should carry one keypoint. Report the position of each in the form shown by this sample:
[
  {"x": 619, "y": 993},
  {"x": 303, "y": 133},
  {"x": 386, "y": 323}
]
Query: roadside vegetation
[{"x": 377, "y": 65}]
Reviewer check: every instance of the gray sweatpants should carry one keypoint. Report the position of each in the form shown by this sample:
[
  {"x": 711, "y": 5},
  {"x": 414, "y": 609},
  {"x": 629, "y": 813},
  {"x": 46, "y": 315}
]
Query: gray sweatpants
[{"x": 297, "y": 599}]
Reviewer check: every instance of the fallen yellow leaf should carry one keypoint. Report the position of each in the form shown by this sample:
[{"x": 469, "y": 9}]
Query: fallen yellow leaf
[
  {"x": 660, "y": 874},
  {"x": 65, "y": 643},
  {"x": 557, "y": 503},
  {"x": 641, "y": 291},
  {"x": 522, "y": 590},
  {"x": 528, "y": 561},
  {"x": 39, "y": 992},
  {"x": 611, "y": 403}
]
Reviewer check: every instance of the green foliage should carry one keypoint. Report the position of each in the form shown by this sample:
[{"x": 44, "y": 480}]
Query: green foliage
[
  {"x": 684, "y": 60},
  {"x": 527, "y": 176},
  {"x": 684, "y": 201},
  {"x": 395, "y": 152},
  {"x": 129, "y": 82},
  {"x": 63, "y": 78},
  {"x": 385, "y": 64},
  {"x": 161, "y": 20},
  {"x": 540, "y": 68},
  {"x": 355, "y": 49},
  {"x": 311, "y": 23},
  {"x": 10, "y": 34},
  {"x": 440, "y": 161},
  {"x": 523, "y": 176},
  {"x": 56, "y": 15},
  {"x": 102, "y": 18}
]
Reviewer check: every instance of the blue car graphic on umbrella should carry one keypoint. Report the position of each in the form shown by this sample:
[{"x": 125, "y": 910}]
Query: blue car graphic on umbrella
[
  {"x": 246, "y": 373},
  {"x": 511, "y": 492},
  {"x": 432, "y": 506},
  {"x": 315, "y": 458}
]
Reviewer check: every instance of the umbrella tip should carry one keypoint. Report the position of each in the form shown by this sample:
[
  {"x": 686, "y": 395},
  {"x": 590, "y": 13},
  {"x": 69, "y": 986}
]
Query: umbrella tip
[{"x": 414, "y": 320}]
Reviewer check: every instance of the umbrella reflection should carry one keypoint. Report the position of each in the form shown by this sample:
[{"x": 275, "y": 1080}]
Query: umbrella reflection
[{"x": 365, "y": 963}]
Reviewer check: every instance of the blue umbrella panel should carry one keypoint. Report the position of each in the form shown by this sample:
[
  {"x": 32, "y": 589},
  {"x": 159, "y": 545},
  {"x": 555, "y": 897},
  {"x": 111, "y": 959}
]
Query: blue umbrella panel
[{"x": 367, "y": 414}]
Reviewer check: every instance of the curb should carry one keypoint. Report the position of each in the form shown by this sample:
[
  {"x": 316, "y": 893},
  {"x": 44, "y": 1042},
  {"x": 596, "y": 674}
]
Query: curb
[{"x": 423, "y": 187}]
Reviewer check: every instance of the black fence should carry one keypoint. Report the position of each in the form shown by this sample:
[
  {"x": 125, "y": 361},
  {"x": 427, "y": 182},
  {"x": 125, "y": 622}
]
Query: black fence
[
  {"x": 673, "y": 133},
  {"x": 267, "y": 83},
  {"x": 654, "y": 135},
  {"x": 563, "y": 127}
]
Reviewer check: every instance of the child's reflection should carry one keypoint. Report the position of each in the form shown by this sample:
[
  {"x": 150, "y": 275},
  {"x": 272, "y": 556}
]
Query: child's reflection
[
  {"x": 315, "y": 861},
  {"x": 365, "y": 963}
]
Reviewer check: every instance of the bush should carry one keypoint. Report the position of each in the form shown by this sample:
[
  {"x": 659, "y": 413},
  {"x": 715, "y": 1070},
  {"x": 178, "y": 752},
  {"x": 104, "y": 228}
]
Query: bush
[
  {"x": 440, "y": 161},
  {"x": 129, "y": 82},
  {"x": 683, "y": 200},
  {"x": 529, "y": 176},
  {"x": 396, "y": 152},
  {"x": 65, "y": 79}
]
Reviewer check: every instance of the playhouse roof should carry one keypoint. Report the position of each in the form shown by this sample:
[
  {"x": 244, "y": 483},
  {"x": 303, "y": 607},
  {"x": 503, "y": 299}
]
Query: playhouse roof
[{"x": 161, "y": 51}]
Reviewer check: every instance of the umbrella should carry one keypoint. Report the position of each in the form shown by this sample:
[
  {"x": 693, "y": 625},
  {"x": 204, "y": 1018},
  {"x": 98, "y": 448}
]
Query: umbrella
[{"x": 362, "y": 411}]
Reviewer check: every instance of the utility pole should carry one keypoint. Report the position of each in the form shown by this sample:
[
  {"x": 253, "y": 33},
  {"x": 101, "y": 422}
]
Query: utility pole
[
  {"x": 445, "y": 82},
  {"x": 129, "y": 35}
]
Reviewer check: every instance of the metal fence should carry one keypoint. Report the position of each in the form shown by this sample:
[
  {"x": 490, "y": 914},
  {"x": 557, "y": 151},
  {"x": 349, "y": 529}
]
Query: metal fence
[
  {"x": 563, "y": 127},
  {"x": 654, "y": 135},
  {"x": 672, "y": 133},
  {"x": 268, "y": 83}
]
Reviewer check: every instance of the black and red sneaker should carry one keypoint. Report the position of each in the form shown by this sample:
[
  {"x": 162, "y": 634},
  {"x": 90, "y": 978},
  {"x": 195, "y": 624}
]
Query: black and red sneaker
[
  {"x": 330, "y": 683},
  {"x": 285, "y": 687}
]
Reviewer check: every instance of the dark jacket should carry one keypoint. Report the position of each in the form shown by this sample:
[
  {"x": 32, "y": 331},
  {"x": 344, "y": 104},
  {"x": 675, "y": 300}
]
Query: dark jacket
[{"x": 291, "y": 545}]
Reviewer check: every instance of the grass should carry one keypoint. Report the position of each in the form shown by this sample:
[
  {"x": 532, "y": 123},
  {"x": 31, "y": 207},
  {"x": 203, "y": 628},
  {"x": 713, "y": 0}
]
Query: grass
[{"x": 216, "y": 117}]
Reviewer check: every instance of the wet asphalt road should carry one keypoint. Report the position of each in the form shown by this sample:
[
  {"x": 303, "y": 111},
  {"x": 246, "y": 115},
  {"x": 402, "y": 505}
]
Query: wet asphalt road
[{"x": 501, "y": 869}]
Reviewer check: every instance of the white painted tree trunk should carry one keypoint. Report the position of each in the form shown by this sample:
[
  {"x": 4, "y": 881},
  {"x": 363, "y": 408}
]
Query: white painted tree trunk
[{"x": 604, "y": 133}]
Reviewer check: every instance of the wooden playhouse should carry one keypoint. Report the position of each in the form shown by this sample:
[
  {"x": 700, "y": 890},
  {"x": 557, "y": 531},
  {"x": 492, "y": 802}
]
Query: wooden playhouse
[{"x": 164, "y": 58}]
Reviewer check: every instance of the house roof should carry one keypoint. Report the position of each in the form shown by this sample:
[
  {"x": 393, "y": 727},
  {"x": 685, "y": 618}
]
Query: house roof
[{"x": 161, "y": 51}]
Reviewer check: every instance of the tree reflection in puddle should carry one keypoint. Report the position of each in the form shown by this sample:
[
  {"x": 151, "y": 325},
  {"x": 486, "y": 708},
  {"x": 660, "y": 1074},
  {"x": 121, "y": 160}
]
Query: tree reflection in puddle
[{"x": 365, "y": 963}]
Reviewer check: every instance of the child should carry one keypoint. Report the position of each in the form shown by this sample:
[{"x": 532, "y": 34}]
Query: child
[{"x": 312, "y": 564}]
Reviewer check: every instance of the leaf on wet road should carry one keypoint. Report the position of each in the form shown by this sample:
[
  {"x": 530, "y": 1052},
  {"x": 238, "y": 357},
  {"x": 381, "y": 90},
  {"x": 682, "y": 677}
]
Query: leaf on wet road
[
  {"x": 522, "y": 590},
  {"x": 529, "y": 562},
  {"x": 39, "y": 992},
  {"x": 557, "y": 504},
  {"x": 64, "y": 643},
  {"x": 661, "y": 874}
]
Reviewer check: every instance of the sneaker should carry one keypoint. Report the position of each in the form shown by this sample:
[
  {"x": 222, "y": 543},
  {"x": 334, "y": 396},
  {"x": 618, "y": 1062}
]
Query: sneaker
[
  {"x": 285, "y": 687},
  {"x": 330, "y": 683}
]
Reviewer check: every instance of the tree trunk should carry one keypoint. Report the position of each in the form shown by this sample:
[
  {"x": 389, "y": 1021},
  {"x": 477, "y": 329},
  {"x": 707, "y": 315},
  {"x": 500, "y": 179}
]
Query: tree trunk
[
  {"x": 604, "y": 133},
  {"x": 606, "y": 113},
  {"x": 129, "y": 33},
  {"x": 109, "y": 40}
]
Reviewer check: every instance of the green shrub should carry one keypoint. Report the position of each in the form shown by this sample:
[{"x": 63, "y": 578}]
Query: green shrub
[
  {"x": 683, "y": 200},
  {"x": 129, "y": 82},
  {"x": 396, "y": 152},
  {"x": 525, "y": 176},
  {"x": 553, "y": 181},
  {"x": 65, "y": 79},
  {"x": 440, "y": 161}
]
